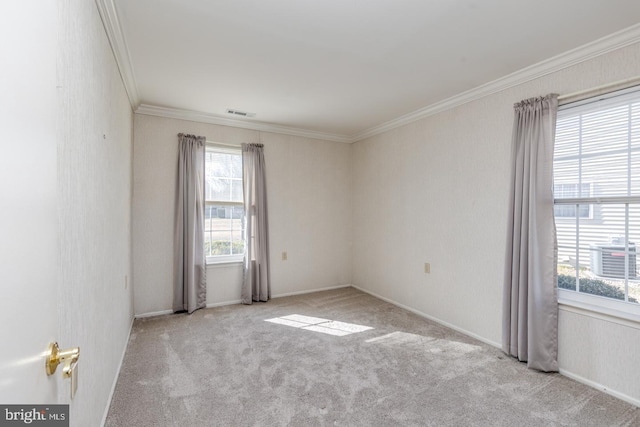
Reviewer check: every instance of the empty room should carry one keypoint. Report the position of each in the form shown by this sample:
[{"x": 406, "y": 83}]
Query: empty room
[{"x": 308, "y": 213}]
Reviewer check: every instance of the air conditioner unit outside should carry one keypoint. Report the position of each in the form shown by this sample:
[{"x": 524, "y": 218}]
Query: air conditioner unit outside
[{"x": 607, "y": 260}]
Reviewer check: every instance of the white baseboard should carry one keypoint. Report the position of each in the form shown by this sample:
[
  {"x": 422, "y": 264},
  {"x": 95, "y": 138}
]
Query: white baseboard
[
  {"x": 153, "y": 314},
  {"x": 115, "y": 380},
  {"x": 220, "y": 304},
  {"x": 600, "y": 387},
  {"x": 427, "y": 316},
  {"x": 330, "y": 288},
  {"x": 288, "y": 294},
  {"x": 232, "y": 302},
  {"x": 163, "y": 312}
]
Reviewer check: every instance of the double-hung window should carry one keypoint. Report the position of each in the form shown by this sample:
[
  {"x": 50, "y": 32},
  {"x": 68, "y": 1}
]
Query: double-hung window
[
  {"x": 570, "y": 191},
  {"x": 224, "y": 210},
  {"x": 597, "y": 201}
]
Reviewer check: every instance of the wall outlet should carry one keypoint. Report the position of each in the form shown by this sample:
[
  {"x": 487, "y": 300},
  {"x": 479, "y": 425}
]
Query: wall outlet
[
  {"x": 284, "y": 256},
  {"x": 427, "y": 268}
]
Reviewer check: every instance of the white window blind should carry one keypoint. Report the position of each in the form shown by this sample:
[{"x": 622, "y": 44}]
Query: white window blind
[
  {"x": 569, "y": 190},
  {"x": 597, "y": 195}
]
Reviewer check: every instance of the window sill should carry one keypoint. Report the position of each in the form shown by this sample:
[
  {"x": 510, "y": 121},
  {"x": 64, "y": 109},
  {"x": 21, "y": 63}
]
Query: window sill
[
  {"x": 221, "y": 262},
  {"x": 627, "y": 314}
]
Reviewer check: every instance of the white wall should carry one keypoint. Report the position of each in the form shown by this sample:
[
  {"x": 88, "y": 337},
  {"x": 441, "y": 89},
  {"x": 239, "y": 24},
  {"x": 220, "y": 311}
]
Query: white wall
[
  {"x": 309, "y": 212},
  {"x": 437, "y": 190},
  {"x": 28, "y": 218},
  {"x": 94, "y": 207},
  {"x": 602, "y": 352}
]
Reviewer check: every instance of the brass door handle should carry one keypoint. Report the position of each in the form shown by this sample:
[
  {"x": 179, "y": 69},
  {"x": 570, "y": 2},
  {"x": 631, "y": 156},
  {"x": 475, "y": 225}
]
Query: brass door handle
[
  {"x": 69, "y": 358},
  {"x": 55, "y": 356}
]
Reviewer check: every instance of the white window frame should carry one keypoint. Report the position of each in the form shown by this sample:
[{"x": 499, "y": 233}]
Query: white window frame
[
  {"x": 223, "y": 259},
  {"x": 623, "y": 312},
  {"x": 573, "y": 217}
]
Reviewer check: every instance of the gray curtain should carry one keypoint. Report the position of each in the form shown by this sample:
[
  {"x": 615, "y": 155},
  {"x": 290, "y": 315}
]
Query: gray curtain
[
  {"x": 190, "y": 281},
  {"x": 530, "y": 304},
  {"x": 256, "y": 284}
]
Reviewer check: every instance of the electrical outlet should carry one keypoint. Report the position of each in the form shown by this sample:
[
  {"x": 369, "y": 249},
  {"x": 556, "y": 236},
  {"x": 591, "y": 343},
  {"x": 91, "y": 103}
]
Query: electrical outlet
[
  {"x": 427, "y": 268},
  {"x": 284, "y": 256}
]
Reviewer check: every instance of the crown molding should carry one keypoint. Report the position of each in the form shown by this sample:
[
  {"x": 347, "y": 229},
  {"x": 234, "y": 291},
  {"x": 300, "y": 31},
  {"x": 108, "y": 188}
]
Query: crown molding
[
  {"x": 196, "y": 116},
  {"x": 564, "y": 60},
  {"x": 112, "y": 27}
]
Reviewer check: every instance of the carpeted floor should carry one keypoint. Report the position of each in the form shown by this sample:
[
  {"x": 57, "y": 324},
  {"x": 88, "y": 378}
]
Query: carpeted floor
[{"x": 229, "y": 366}]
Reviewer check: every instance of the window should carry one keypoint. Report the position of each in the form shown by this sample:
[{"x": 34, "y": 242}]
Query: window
[
  {"x": 562, "y": 191},
  {"x": 224, "y": 210},
  {"x": 597, "y": 200}
]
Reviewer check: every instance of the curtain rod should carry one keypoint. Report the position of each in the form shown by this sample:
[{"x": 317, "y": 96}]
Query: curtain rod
[
  {"x": 599, "y": 90},
  {"x": 223, "y": 144},
  {"x": 215, "y": 143}
]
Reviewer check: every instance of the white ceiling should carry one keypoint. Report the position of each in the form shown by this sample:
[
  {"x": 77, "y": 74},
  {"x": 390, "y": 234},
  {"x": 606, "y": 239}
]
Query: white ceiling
[{"x": 340, "y": 67}]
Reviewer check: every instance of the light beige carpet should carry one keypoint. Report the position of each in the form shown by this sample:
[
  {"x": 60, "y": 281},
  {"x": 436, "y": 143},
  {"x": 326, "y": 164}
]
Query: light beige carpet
[{"x": 309, "y": 361}]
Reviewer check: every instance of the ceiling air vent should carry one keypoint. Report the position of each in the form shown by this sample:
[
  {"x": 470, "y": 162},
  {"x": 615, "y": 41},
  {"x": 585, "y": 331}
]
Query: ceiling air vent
[{"x": 240, "y": 113}]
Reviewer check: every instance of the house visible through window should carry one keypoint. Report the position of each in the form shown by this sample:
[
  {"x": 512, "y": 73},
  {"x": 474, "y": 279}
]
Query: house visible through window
[
  {"x": 597, "y": 199},
  {"x": 224, "y": 210},
  {"x": 562, "y": 191}
]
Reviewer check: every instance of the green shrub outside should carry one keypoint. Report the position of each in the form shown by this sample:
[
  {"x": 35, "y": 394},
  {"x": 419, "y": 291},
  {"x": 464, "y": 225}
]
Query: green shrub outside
[
  {"x": 222, "y": 247},
  {"x": 592, "y": 286}
]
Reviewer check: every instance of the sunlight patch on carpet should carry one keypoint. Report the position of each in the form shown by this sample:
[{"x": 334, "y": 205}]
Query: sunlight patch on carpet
[
  {"x": 316, "y": 324},
  {"x": 423, "y": 343}
]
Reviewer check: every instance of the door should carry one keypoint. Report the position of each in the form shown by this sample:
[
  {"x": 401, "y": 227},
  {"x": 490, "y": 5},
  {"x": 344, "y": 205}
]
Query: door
[{"x": 28, "y": 226}]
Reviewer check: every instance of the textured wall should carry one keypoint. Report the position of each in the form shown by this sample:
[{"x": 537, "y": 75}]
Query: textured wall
[
  {"x": 94, "y": 207},
  {"x": 309, "y": 212},
  {"x": 601, "y": 351},
  {"x": 28, "y": 218},
  {"x": 437, "y": 191}
]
